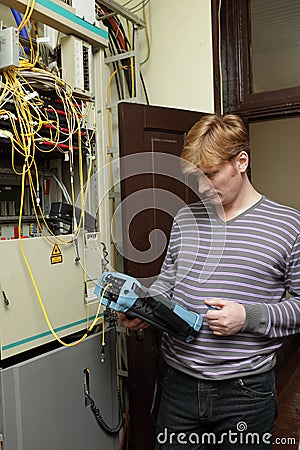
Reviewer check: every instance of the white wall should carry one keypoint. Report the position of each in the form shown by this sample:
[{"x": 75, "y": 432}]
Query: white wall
[{"x": 180, "y": 71}]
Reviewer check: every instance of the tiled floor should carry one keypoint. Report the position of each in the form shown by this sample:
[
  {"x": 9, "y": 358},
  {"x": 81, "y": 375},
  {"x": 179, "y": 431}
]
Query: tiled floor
[{"x": 287, "y": 425}]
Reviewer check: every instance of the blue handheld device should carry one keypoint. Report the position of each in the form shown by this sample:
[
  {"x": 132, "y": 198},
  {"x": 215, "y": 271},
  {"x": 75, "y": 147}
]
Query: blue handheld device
[{"x": 125, "y": 294}]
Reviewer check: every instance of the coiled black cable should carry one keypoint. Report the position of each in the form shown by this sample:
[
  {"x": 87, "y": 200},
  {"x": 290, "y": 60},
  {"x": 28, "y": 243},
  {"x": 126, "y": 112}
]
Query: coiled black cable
[
  {"x": 96, "y": 411},
  {"x": 105, "y": 259}
]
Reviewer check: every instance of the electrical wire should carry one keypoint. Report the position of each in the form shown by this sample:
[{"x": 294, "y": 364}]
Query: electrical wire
[
  {"x": 23, "y": 142},
  {"x": 60, "y": 184},
  {"x": 110, "y": 138},
  {"x": 220, "y": 57},
  {"x": 121, "y": 75},
  {"x": 27, "y": 14},
  {"x": 110, "y": 429},
  {"x": 125, "y": 427},
  {"x": 144, "y": 89},
  {"x": 105, "y": 257},
  {"x": 26, "y": 125},
  {"x": 131, "y": 46},
  {"x": 120, "y": 43},
  {"x": 117, "y": 33},
  {"x": 115, "y": 67},
  {"x": 147, "y": 37},
  {"x": 18, "y": 19},
  {"x": 55, "y": 335},
  {"x": 97, "y": 413},
  {"x": 127, "y": 3},
  {"x": 137, "y": 7}
]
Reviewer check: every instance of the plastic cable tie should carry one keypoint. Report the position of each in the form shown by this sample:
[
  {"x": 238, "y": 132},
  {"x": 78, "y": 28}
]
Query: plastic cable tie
[{"x": 31, "y": 95}]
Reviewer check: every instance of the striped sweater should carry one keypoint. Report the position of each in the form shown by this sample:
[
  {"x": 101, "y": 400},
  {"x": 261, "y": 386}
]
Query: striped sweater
[{"x": 253, "y": 259}]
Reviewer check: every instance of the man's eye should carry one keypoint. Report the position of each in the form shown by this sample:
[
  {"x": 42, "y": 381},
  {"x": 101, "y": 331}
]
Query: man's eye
[{"x": 210, "y": 175}]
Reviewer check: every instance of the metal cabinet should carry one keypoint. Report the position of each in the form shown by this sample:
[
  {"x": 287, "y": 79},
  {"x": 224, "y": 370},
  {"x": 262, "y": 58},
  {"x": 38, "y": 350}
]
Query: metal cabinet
[{"x": 43, "y": 404}]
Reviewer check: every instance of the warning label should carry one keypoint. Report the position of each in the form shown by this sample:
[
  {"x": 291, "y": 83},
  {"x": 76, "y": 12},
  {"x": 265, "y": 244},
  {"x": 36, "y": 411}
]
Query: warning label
[{"x": 56, "y": 255}]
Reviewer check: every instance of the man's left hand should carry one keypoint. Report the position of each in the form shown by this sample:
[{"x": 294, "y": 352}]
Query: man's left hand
[{"x": 228, "y": 317}]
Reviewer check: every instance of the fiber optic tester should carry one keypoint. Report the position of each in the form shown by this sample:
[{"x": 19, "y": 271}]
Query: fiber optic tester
[{"x": 125, "y": 294}]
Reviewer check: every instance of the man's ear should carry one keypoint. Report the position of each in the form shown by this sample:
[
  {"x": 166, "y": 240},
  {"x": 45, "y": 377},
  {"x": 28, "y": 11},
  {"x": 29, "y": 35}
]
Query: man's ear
[{"x": 242, "y": 161}]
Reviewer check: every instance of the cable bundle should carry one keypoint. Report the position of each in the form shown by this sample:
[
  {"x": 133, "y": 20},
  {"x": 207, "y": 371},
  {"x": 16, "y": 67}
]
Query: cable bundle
[
  {"x": 122, "y": 42},
  {"x": 39, "y": 123},
  {"x": 40, "y": 119}
]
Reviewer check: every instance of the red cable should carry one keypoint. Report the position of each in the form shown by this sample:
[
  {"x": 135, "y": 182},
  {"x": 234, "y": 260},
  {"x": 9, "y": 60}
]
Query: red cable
[
  {"x": 116, "y": 29},
  {"x": 125, "y": 428}
]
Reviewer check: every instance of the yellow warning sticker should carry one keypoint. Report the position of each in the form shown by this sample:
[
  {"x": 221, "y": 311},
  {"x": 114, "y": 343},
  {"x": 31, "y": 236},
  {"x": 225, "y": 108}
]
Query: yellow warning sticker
[
  {"x": 56, "y": 255},
  {"x": 56, "y": 250},
  {"x": 56, "y": 259}
]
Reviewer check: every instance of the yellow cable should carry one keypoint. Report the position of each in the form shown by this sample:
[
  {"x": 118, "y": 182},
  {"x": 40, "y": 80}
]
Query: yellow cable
[
  {"x": 83, "y": 193},
  {"x": 27, "y": 14},
  {"x": 21, "y": 25},
  {"x": 23, "y": 140},
  {"x": 147, "y": 37},
  {"x": 34, "y": 55},
  {"x": 110, "y": 141},
  {"x": 103, "y": 332},
  {"x": 97, "y": 317}
]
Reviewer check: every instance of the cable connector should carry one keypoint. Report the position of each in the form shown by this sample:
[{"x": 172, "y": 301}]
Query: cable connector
[
  {"x": 102, "y": 355},
  {"x": 37, "y": 199}
]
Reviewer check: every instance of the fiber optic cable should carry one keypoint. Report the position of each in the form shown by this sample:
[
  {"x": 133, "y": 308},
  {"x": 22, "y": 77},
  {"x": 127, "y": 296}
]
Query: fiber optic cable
[
  {"x": 29, "y": 133},
  {"x": 18, "y": 19},
  {"x": 27, "y": 124},
  {"x": 27, "y": 14},
  {"x": 97, "y": 316}
]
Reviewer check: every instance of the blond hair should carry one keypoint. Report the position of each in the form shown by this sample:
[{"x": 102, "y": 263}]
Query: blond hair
[{"x": 214, "y": 140}]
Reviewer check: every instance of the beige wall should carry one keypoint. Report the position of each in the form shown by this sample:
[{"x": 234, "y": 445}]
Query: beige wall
[
  {"x": 180, "y": 71},
  {"x": 275, "y": 155}
]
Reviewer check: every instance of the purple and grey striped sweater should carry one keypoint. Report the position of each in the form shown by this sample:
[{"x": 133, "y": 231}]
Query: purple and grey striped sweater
[{"x": 253, "y": 259}]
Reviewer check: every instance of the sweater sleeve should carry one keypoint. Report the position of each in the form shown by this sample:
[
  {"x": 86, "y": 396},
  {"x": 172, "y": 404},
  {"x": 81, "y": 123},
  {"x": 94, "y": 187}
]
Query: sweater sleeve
[{"x": 280, "y": 319}]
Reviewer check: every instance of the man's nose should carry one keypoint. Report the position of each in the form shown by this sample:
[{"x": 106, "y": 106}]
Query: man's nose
[{"x": 203, "y": 185}]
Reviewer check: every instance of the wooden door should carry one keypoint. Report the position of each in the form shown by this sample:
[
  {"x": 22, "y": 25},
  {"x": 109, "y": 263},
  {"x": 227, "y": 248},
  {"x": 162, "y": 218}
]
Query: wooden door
[{"x": 152, "y": 191}]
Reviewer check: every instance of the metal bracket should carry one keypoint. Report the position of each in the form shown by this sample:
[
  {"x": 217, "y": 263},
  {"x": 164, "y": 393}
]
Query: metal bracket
[{"x": 124, "y": 12}]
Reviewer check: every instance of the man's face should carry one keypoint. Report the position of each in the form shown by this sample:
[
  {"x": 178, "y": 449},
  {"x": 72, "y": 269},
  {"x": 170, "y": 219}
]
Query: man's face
[{"x": 220, "y": 184}]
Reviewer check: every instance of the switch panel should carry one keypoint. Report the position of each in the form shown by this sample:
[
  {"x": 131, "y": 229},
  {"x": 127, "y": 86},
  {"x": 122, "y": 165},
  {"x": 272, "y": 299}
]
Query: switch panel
[{"x": 76, "y": 59}]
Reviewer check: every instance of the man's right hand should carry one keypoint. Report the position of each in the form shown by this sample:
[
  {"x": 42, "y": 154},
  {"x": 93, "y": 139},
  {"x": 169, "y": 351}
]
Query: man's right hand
[{"x": 132, "y": 324}]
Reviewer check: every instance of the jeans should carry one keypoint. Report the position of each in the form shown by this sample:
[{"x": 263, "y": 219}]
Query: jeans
[{"x": 199, "y": 414}]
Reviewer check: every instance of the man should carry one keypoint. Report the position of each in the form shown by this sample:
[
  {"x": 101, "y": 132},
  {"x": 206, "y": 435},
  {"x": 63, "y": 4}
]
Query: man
[{"x": 237, "y": 252}]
